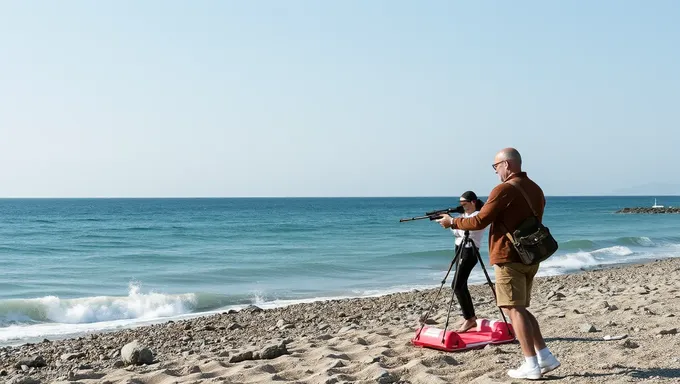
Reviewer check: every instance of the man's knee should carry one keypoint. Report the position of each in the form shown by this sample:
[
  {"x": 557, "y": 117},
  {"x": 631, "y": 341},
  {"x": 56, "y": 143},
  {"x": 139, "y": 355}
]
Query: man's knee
[{"x": 514, "y": 309}]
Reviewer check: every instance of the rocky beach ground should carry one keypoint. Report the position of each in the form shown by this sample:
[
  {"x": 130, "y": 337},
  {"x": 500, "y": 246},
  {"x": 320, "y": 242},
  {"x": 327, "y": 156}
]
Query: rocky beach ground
[{"x": 367, "y": 340}]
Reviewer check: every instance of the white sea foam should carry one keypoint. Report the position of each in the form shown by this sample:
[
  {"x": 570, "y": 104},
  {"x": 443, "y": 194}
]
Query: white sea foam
[
  {"x": 52, "y": 315},
  {"x": 135, "y": 305}
]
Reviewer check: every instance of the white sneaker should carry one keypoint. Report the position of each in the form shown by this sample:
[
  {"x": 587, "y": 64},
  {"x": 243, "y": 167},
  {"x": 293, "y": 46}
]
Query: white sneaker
[
  {"x": 526, "y": 371},
  {"x": 549, "y": 364}
]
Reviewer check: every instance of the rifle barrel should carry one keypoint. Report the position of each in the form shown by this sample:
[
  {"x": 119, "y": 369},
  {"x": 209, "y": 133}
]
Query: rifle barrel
[
  {"x": 413, "y": 218},
  {"x": 431, "y": 217},
  {"x": 434, "y": 215}
]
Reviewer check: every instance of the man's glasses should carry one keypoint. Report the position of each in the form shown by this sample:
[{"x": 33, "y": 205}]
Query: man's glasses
[{"x": 496, "y": 165}]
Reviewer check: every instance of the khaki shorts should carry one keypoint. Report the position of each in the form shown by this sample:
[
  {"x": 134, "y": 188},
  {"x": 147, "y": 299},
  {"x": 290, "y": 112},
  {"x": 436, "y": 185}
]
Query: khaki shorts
[{"x": 513, "y": 284}]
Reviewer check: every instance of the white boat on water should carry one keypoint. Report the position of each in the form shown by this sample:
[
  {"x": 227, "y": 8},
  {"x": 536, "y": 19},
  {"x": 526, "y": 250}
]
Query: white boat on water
[{"x": 656, "y": 205}]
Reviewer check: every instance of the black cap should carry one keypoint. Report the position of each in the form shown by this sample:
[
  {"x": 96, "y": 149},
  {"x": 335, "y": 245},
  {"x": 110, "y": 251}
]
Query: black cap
[{"x": 468, "y": 196}]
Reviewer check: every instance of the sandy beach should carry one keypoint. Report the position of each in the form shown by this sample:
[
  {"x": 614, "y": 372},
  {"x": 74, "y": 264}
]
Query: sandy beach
[{"x": 367, "y": 340}]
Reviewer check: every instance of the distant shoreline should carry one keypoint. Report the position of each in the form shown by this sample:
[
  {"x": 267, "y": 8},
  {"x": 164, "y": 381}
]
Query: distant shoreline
[{"x": 644, "y": 210}]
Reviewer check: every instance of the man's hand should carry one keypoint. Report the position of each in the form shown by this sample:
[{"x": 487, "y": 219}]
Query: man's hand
[{"x": 446, "y": 221}]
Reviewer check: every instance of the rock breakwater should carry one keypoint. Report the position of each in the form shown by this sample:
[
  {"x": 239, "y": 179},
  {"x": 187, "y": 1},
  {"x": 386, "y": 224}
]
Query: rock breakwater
[{"x": 649, "y": 210}]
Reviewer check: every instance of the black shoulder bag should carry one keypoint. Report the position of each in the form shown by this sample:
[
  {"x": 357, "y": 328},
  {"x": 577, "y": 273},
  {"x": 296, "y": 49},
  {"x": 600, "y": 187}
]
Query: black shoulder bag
[{"x": 532, "y": 240}]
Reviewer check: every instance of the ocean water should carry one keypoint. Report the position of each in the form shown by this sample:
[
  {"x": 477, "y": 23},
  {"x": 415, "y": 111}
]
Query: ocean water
[{"x": 70, "y": 266}]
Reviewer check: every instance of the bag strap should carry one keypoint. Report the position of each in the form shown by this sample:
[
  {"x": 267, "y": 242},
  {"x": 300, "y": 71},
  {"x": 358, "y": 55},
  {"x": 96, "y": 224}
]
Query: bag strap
[{"x": 515, "y": 183}]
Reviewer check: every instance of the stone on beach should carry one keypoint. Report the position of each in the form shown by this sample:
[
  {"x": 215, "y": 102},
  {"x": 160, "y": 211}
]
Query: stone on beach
[
  {"x": 31, "y": 362},
  {"x": 134, "y": 353},
  {"x": 273, "y": 351}
]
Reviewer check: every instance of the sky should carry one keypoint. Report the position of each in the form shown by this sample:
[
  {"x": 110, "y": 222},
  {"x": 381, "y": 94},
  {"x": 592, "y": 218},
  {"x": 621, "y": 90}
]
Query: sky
[{"x": 344, "y": 98}]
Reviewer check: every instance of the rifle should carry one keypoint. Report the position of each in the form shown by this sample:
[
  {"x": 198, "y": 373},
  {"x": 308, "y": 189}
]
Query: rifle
[{"x": 436, "y": 215}]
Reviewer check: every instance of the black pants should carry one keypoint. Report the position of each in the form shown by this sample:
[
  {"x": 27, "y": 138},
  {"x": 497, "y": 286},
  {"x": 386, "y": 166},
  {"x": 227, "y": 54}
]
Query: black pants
[{"x": 467, "y": 263}]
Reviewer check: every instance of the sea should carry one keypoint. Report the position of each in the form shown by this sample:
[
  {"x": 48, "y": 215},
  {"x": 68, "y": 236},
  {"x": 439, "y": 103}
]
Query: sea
[{"x": 74, "y": 266}]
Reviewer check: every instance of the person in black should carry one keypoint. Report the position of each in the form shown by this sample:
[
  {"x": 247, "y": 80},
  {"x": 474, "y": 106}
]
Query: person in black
[{"x": 471, "y": 206}]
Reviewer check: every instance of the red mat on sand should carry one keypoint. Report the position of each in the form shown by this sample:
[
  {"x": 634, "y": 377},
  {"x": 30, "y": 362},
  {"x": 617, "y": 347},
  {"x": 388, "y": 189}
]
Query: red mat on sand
[{"x": 487, "y": 332}]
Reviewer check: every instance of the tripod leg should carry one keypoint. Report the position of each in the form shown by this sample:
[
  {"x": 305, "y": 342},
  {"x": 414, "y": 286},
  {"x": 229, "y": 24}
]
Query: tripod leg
[
  {"x": 455, "y": 279},
  {"x": 456, "y": 260},
  {"x": 493, "y": 290}
]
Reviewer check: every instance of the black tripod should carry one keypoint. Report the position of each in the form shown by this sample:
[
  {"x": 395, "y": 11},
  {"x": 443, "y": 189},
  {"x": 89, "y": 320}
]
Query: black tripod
[{"x": 456, "y": 261}]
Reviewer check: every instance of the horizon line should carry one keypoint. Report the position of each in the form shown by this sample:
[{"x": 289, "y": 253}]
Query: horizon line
[{"x": 295, "y": 197}]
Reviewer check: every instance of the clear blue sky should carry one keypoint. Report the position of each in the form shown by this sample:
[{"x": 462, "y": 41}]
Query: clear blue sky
[{"x": 344, "y": 98}]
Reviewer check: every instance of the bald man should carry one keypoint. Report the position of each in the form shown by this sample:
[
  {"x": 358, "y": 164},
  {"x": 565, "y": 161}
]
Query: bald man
[{"x": 505, "y": 209}]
